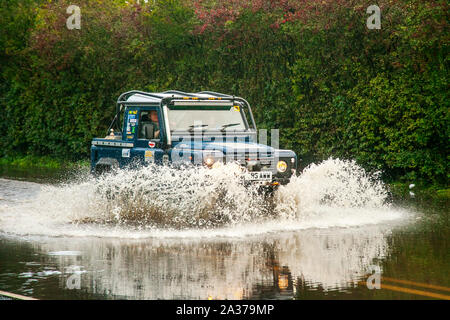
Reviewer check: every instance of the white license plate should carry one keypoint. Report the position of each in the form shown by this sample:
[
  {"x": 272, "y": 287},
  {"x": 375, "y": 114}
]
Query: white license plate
[{"x": 258, "y": 176}]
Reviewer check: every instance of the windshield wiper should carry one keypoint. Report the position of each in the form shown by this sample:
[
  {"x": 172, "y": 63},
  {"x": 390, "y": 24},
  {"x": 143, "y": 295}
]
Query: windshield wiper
[
  {"x": 228, "y": 125},
  {"x": 195, "y": 126}
]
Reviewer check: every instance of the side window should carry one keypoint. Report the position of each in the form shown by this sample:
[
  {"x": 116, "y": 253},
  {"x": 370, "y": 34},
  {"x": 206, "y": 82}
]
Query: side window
[{"x": 149, "y": 125}]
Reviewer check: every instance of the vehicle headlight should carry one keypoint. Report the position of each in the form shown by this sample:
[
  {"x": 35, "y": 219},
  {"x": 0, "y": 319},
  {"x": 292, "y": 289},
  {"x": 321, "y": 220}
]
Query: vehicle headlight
[
  {"x": 282, "y": 166},
  {"x": 209, "y": 161}
]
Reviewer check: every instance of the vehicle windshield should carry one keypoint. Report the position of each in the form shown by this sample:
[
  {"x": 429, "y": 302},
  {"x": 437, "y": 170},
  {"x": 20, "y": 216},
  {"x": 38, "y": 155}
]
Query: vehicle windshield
[{"x": 205, "y": 119}]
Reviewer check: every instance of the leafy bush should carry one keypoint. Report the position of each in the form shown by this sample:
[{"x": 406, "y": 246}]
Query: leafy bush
[{"x": 311, "y": 68}]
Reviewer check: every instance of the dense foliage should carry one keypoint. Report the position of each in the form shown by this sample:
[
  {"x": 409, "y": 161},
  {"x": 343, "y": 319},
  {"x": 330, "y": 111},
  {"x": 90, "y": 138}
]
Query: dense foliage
[{"x": 311, "y": 68}]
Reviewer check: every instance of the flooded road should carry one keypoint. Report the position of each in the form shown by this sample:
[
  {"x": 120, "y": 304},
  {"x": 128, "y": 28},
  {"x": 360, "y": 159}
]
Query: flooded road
[{"x": 322, "y": 240}]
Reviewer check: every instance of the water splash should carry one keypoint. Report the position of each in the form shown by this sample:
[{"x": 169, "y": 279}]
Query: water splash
[
  {"x": 196, "y": 201},
  {"x": 169, "y": 197},
  {"x": 333, "y": 184}
]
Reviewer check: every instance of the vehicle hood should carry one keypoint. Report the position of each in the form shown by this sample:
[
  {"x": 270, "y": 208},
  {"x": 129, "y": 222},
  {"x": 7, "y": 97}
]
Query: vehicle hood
[{"x": 226, "y": 147}]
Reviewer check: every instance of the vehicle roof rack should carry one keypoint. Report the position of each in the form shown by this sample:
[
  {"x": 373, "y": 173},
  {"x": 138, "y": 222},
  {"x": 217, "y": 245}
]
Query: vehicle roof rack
[{"x": 159, "y": 98}]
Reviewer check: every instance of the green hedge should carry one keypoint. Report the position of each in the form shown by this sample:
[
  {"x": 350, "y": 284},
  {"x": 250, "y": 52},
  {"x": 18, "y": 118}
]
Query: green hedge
[{"x": 311, "y": 68}]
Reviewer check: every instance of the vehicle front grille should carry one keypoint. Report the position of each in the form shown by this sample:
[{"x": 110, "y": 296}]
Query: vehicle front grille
[{"x": 264, "y": 162}]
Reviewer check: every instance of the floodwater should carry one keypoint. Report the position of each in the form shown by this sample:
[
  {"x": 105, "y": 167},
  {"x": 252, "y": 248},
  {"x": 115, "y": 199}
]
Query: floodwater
[{"x": 198, "y": 234}]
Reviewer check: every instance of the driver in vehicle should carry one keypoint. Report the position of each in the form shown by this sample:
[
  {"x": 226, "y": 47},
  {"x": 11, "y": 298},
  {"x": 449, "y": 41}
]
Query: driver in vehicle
[{"x": 149, "y": 127}]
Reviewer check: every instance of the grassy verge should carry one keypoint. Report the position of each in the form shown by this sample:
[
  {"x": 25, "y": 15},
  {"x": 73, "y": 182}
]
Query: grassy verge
[{"x": 43, "y": 162}]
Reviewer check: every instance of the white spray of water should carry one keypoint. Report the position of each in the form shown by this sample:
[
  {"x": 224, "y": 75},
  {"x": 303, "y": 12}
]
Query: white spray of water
[
  {"x": 335, "y": 193},
  {"x": 334, "y": 183},
  {"x": 199, "y": 202}
]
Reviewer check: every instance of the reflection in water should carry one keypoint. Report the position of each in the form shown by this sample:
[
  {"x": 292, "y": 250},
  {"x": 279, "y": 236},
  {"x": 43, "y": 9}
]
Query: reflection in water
[{"x": 260, "y": 267}]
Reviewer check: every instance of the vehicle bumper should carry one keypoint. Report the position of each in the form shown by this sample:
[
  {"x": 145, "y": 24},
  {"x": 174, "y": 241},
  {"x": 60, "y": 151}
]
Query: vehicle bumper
[{"x": 274, "y": 182}]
